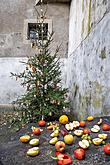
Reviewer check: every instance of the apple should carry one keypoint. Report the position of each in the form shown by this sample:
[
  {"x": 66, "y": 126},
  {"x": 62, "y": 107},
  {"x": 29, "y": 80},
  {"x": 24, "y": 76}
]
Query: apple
[
  {"x": 90, "y": 118},
  {"x": 55, "y": 133},
  {"x": 78, "y": 132},
  {"x": 97, "y": 141},
  {"x": 50, "y": 127},
  {"x": 79, "y": 153},
  {"x": 103, "y": 136},
  {"x": 25, "y": 138},
  {"x": 69, "y": 126},
  {"x": 60, "y": 146},
  {"x": 86, "y": 131},
  {"x": 76, "y": 124},
  {"x": 36, "y": 131},
  {"x": 105, "y": 127},
  {"x": 34, "y": 142},
  {"x": 99, "y": 122},
  {"x": 95, "y": 128},
  {"x": 63, "y": 159},
  {"x": 53, "y": 140},
  {"x": 107, "y": 149},
  {"x": 33, "y": 151},
  {"x": 68, "y": 139},
  {"x": 84, "y": 144},
  {"x": 42, "y": 123},
  {"x": 82, "y": 123}
]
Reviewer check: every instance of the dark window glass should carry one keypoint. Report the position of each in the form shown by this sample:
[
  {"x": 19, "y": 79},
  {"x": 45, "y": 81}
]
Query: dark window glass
[{"x": 37, "y": 31}]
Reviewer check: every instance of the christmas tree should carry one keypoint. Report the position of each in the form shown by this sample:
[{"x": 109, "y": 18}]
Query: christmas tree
[{"x": 42, "y": 79}]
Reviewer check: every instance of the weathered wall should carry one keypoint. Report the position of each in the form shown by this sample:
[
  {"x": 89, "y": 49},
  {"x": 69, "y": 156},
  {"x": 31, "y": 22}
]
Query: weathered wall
[
  {"x": 12, "y": 47},
  {"x": 89, "y": 57},
  {"x": 10, "y": 89},
  {"x": 12, "y": 16}
]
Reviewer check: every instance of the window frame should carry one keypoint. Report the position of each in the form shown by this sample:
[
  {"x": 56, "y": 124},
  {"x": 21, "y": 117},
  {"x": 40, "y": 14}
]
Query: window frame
[{"x": 26, "y": 39}]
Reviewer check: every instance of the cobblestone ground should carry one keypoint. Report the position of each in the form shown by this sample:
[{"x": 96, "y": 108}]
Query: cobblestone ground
[{"x": 13, "y": 152}]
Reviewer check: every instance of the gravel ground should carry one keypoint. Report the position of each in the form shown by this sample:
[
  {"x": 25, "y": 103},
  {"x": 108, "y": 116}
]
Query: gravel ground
[{"x": 13, "y": 152}]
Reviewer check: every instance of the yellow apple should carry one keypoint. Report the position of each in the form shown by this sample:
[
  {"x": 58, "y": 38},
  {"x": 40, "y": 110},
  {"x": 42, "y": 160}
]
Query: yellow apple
[
  {"x": 97, "y": 141},
  {"x": 25, "y": 138},
  {"x": 68, "y": 139}
]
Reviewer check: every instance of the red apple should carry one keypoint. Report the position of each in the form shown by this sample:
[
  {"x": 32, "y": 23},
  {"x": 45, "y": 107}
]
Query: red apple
[
  {"x": 63, "y": 159},
  {"x": 79, "y": 153},
  {"x": 86, "y": 131},
  {"x": 60, "y": 146},
  {"x": 105, "y": 127},
  {"x": 82, "y": 123},
  {"x": 41, "y": 123},
  {"x": 107, "y": 149},
  {"x": 36, "y": 131}
]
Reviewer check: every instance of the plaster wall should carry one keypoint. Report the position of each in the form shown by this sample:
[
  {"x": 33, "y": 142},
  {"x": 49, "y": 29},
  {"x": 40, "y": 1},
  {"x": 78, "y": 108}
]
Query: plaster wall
[
  {"x": 13, "y": 14},
  {"x": 10, "y": 89},
  {"x": 88, "y": 71},
  {"x": 13, "y": 49}
]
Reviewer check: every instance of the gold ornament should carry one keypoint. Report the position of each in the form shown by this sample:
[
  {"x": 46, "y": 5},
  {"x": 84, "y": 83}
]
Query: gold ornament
[{"x": 33, "y": 69}]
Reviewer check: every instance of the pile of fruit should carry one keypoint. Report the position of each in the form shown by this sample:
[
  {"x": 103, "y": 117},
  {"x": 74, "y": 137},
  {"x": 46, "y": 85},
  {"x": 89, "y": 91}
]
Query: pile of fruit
[{"x": 68, "y": 131}]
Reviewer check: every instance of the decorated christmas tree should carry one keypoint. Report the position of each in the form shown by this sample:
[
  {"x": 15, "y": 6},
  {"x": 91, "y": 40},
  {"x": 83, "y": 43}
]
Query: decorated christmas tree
[{"x": 42, "y": 79}]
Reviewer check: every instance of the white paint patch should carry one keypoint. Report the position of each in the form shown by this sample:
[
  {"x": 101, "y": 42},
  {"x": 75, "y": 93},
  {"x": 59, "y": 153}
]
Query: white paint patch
[{"x": 10, "y": 89}]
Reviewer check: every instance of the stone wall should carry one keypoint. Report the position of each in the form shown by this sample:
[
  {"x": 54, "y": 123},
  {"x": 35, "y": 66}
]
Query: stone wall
[
  {"x": 88, "y": 75},
  {"x": 13, "y": 49},
  {"x": 12, "y": 17}
]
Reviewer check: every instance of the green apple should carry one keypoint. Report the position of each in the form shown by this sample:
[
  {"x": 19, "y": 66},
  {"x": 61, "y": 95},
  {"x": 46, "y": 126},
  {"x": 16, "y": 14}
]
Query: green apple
[
  {"x": 53, "y": 140},
  {"x": 34, "y": 142},
  {"x": 55, "y": 133},
  {"x": 78, "y": 132},
  {"x": 33, "y": 151}
]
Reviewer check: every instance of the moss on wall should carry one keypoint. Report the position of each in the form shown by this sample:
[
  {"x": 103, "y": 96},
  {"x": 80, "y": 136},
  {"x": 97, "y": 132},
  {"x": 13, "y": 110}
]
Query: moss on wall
[
  {"x": 82, "y": 5},
  {"x": 103, "y": 53},
  {"x": 96, "y": 102},
  {"x": 97, "y": 95},
  {"x": 83, "y": 26},
  {"x": 89, "y": 16},
  {"x": 82, "y": 107},
  {"x": 91, "y": 98}
]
